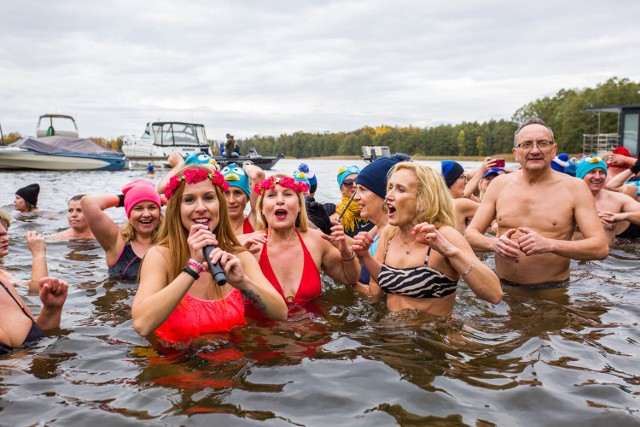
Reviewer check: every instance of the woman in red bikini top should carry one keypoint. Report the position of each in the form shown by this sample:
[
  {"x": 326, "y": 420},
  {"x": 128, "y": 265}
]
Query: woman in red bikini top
[
  {"x": 291, "y": 255},
  {"x": 177, "y": 297}
]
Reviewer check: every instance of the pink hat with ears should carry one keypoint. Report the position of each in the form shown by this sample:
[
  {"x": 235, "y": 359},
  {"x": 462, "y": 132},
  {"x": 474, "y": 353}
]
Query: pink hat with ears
[{"x": 138, "y": 191}]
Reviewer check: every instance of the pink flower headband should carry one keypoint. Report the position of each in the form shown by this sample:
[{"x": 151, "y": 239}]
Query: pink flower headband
[
  {"x": 285, "y": 181},
  {"x": 194, "y": 176}
]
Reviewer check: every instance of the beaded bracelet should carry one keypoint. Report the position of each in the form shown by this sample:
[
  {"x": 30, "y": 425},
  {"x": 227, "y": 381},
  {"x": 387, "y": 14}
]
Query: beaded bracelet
[
  {"x": 190, "y": 272},
  {"x": 193, "y": 263}
]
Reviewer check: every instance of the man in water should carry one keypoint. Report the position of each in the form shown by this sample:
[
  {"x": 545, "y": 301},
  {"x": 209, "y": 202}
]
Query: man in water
[
  {"x": 537, "y": 211},
  {"x": 79, "y": 229},
  {"x": 615, "y": 209}
]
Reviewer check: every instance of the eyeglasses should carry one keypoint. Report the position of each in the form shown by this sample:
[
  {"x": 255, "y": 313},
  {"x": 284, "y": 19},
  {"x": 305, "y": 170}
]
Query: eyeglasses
[
  {"x": 528, "y": 145},
  {"x": 348, "y": 182}
]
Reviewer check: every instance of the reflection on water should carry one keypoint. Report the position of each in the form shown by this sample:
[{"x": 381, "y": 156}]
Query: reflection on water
[{"x": 558, "y": 356}]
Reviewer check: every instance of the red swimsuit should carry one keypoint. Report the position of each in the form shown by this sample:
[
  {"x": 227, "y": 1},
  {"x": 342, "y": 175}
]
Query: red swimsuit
[
  {"x": 246, "y": 226},
  {"x": 194, "y": 317},
  {"x": 310, "y": 285}
]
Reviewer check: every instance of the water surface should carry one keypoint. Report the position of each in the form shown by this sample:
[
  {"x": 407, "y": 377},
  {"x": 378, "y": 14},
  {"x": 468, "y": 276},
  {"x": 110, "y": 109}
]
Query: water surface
[{"x": 564, "y": 356}]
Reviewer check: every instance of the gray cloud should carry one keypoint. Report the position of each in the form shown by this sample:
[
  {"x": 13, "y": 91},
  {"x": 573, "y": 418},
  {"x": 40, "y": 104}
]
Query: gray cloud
[{"x": 254, "y": 67}]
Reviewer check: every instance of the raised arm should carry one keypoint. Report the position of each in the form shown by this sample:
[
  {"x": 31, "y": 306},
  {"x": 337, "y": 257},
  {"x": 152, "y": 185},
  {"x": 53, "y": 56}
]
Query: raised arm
[
  {"x": 617, "y": 181},
  {"x": 176, "y": 162},
  {"x": 106, "y": 232},
  {"x": 38, "y": 248},
  {"x": 476, "y": 176},
  {"x": 53, "y": 294},
  {"x": 255, "y": 175}
]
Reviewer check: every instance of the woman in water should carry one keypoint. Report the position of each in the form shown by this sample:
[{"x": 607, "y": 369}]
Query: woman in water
[
  {"x": 422, "y": 256},
  {"x": 125, "y": 247},
  {"x": 349, "y": 213},
  {"x": 177, "y": 297},
  {"x": 282, "y": 213},
  {"x": 18, "y": 327},
  {"x": 239, "y": 195},
  {"x": 371, "y": 189}
]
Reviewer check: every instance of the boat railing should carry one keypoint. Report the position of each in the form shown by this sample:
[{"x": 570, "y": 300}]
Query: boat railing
[{"x": 597, "y": 142}]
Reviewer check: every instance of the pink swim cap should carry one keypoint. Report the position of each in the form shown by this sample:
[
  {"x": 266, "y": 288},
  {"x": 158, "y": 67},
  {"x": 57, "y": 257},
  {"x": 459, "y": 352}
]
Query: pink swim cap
[{"x": 138, "y": 191}]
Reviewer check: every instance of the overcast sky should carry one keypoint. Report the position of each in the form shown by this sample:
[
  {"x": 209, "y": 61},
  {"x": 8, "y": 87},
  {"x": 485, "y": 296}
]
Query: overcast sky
[{"x": 272, "y": 67}]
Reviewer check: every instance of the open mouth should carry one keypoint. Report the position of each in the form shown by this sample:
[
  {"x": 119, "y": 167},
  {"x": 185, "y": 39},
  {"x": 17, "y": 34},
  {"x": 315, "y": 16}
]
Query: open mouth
[
  {"x": 391, "y": 209},
  {"x": 281, "y": 214},
  {"x": 204, "y": 221}
]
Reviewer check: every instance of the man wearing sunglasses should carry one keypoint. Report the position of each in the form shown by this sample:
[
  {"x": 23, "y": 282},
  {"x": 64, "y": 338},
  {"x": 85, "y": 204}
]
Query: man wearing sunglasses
[
  {"x": 537, "y": 211},
  {"x": 616, "y": 210}
]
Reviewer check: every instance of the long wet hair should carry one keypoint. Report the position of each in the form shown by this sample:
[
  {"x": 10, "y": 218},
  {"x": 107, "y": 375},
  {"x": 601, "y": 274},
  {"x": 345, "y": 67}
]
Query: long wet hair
[
  {"x": 301, "y": 220},
  {"x": 173, "y": 235},
  {"x": 434, "y": 203}
]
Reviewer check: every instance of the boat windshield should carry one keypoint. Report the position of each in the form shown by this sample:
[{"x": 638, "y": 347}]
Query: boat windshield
[{"x": 179, "y": 134}]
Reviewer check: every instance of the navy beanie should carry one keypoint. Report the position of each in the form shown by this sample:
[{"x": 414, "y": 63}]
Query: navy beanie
[
  {"x": 451, "y": 171},
  {"x": 374, "y": 175},
  {"x": 29, "y": 193}
]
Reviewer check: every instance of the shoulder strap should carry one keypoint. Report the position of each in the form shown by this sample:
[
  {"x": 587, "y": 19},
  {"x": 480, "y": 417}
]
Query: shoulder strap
[
  {"x": 14, "y": 298},
  {"x": 426, "y": 260}
]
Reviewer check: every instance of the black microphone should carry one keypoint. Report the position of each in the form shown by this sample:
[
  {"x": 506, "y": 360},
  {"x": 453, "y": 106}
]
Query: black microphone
[{"x": 215, "y": 269}]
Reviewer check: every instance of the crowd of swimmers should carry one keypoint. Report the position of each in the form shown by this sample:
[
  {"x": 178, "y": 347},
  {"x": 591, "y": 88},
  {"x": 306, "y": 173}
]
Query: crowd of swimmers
[{"x": 399, "y": 230}]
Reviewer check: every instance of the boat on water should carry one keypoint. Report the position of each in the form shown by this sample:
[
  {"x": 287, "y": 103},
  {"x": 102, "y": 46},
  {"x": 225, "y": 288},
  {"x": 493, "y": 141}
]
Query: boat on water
[
  {"x": 160, "y": 139},
  {"x": 57, "y": 146}
]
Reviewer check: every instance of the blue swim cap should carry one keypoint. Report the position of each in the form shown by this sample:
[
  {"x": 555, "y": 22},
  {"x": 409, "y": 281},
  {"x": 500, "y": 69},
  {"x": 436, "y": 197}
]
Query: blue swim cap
[
  {"x": 236, "y": 177},
  {"x": 588, "y": 164}
]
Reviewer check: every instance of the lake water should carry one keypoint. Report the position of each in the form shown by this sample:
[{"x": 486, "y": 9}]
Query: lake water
[{"x": 554, "y": 357}]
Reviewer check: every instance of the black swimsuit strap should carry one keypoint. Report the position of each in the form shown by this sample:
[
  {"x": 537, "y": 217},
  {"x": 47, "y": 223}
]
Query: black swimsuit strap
[{"x": 14, "y": 298}]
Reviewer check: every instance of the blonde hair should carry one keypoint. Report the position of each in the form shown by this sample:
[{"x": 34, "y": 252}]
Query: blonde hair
[
  {"x": 301, "y": 219},
  {"x": 434, "y": 203},
  {"x": 5, "y": 218},
  {"x": 173, "y": 235},
  {"x": 129, "y": 233}
]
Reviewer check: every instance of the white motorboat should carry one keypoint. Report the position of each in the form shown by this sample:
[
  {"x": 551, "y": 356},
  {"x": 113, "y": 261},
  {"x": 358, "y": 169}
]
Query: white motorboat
[
  {"x": 160, "y": 139},
  {"x": 163, "y": 138},
  {"x": 57, "y": 146}
]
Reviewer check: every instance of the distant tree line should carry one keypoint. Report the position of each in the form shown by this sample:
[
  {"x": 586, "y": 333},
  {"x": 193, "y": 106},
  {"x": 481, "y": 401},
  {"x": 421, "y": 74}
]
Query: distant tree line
[{"x": 564, "y": 113}]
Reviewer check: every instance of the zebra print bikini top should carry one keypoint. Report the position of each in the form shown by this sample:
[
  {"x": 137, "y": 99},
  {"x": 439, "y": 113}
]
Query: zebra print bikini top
[{"x": 417, "y": 282}]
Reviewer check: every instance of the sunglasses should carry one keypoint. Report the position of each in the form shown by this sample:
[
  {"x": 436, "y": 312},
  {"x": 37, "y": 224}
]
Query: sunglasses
[{"x": 349, "y": 182}]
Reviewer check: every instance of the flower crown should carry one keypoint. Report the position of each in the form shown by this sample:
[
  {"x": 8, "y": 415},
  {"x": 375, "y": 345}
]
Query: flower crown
[
  {"x": 285, "y": 181},
  {"x": 194, "y": 176}
]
